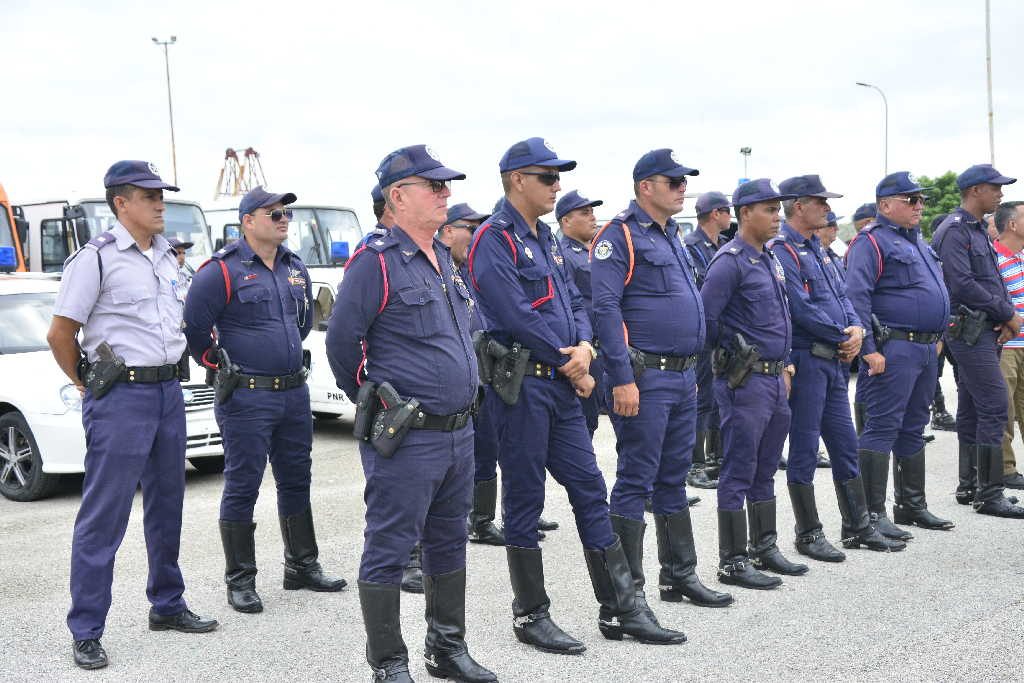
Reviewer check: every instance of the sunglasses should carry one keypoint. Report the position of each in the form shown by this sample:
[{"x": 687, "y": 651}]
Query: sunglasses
[
  {"x": 278, "y": 214},
  {"x": 467, "y": 226},
  {"x": 545, "y": 177},
  {"x": 436, "y": 186},
  {"x": 912, "y": 201},
  {"x": 673, "y": 183}
]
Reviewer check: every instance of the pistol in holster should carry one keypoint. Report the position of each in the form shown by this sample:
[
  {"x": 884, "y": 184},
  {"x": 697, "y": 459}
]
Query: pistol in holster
[
  {"x": 735, "y": 364},
  {"x": 881, "y": 333},
  {"x": 484, "y": 360},
  {"x": 393, "y": 421},
  {"x": 101, "y": 376},
  {"x": 227, "y": 378},
  {"x": 967, "y": 325},
  {"x": 184, "y": 368},
  {"x": 637, "y": 360},
  {"x": 509, "y": 370},
  {"x": 367, "y": 405}
]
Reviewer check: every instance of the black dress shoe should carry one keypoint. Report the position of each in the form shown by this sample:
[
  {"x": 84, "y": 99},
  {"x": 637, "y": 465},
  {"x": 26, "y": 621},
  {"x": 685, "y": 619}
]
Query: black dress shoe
[
  {"x": 89, "y": 654},
  {"x": 186, "y": 622},
  {"x": 692, "y": 500},
  {"x": 545, "y": 525},
  {"x": 1014, "y": 481},
  {"x": 943, "y": 421}
]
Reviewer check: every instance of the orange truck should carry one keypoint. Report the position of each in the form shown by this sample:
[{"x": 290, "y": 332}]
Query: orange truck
[{"x": 11, "y": 256}]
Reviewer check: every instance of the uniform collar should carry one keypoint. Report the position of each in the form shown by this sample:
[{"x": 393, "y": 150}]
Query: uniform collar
[
  {"x": 407, "y": 247},
  {"x": 124, "y": 240},
  {"x": 246, "y": 253},
  {"x": 519, "y": 225},
  {"x": 707, "y": 238},
  {"x": 644, "y": 220},
  {"x": 570, "y": 243},
  {"x": 882, "y": 220},
  {"x": 966, "y": 217},
  {"x": 793, "y": 235},
  {"x": 748, "y": 249}
]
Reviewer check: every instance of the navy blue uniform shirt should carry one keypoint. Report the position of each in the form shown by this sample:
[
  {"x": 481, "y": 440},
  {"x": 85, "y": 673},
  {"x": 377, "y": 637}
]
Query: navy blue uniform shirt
[
  {"x": 702, "y": 249},
  {"x": 744, "y": 292},
  {"x": 522, "y": 289},
  {"x": 835, "y": 261},
  {"x": 970, "y": 267},
  {"x": 410, "y": 328},
  {"x": 477, "y": 321},
  {"x": 659, "y": 309},
  {"x": 907, "y": 292},
  {"x": 818, "y": 305},
  {"x": 576, "y": 257},
  {"x": 267, "y": 317}
]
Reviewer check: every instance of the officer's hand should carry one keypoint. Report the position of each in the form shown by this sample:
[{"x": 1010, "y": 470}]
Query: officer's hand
[
  {"x": 1014, "y": 324},
  {"x": 1005, "y": 334},
  {"x": 787, "y": 377},
  {"x": 578, "y": 363},
  {"x": 876, "y": 363},
  {"x": 626, "y": 400},
  {"x": 81, "y": 390},
  {"x": 851, "y": 347},
  {"x": 585, "y": 386}
]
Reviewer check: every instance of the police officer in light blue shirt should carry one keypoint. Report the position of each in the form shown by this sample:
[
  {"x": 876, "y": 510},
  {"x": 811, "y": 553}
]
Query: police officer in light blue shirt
[{"x": 123, "y": 293}]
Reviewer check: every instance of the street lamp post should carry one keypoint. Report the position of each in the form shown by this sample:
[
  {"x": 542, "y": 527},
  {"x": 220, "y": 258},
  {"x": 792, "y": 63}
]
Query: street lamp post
[
  {"x": 745, "y": 151},
  {"x": 170, "y": 108},
  {"x": 885, "y": 137},
  {"x": 988, "y": 73}
]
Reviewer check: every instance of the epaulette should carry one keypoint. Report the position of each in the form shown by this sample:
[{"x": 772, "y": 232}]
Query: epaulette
[
  {"x": 873, "y": 225},
  {"x": 225, "y": 250},
  {"x": 382, "y": 242}
]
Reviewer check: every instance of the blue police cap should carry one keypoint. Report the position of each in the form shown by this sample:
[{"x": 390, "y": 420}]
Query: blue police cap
[
  {"x": 806, "y": 186},
  {"x": 533, "y": 152},
  {"x": 709, "y": 201},
  {"x": 175, "y": 243},
  {"x": 416, "y": 160},
  {"x": 832, "y": 219},
  {"x": 982, "y": 173},
  {"x": 463, "y": 212},
  {"x": 869, "y": 210},
  {"x": 571, "y": 201},
  {"x": 661, "y": 162},
  {"x": 759, "y": 190},
  {"x": 377, "y": 194},
  {"x": 257, "y": 198},
  {"x": 900, "y": 182},
  {"x": 137, "y": 173}
]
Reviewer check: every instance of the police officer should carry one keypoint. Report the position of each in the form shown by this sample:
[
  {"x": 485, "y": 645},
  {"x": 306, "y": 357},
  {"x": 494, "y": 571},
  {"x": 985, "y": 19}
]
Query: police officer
[
  {"x": 456, "y": 234},
  {"x": 122, "y": 290},
  {"x": 247, "y": 314},
  {"x": 971, "y": 271},
  {"x": 826, "y": 335},
  {"x": 744, "y": 294},
  {"x": 575, "y": 215},
  {"x": 893, "y": 275},
  {"x": 864, "y": 214},
  {"x": 650, "y": 319},
  {"x": 713, "y": 218},
  {"x": 382, "y": 213},
  {"x": 404, "y": 321},
  {"x": 527, "y": 300},
  {"x": 828, "y": 236}
]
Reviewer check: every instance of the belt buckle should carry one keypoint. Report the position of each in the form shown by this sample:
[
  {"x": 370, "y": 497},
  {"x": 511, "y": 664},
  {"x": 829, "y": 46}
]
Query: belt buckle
[
  {"x": 131, "y": 375},
  {"x": 662, "y": 362},
  {"x": 910, "y": 336},
  {"x": 764, "y": 367}
]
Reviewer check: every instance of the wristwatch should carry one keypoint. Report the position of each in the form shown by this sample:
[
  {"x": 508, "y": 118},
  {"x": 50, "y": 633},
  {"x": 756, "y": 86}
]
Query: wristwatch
[{"x": 589, "y": 347}]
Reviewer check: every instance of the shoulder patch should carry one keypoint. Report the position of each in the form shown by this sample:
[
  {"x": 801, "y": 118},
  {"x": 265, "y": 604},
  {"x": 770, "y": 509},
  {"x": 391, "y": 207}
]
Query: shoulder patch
[
  {"x": 101, "y": 240},
  {"x": 603, "y": 250},
  {"x": 382, "y": 243},
  {"x": 225, "y": 250}
]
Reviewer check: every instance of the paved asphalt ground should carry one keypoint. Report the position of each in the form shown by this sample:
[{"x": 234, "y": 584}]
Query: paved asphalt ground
[{"x": 950, "y": 607}]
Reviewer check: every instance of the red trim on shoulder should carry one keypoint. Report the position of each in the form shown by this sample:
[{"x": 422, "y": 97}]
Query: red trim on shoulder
[
  {"x": 878, "y": 252},
  {"x": 792, "y": 252},
  {"x": 476, "y": 242},
  {"x": 626, "y": 235},
  {"x": 353, "y": 257},
  {"x": 387, "y": 288}
]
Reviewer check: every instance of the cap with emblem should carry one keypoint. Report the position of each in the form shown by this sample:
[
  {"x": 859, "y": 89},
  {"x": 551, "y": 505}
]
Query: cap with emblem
[
  {"x": 869, "y": 210},
  {"x": 376, "y": 194},
  {"x": 416, "y": 160},
  {"x": 661, "y": 162},
  {"x": 463, "y": 212},
  {"x": 806, "y": 186},
  {"x": 258, "y": 197},
  {"x": 982, "y": 173},
  {"x": 571, "y": 201},
  {"x": 900, "y": 182},
  {"x": 711, "y": 201},
  {"x": 833, "y": 220},
  {"x": 178, "y": 244},
  {"x": 533, "y": 152},
  {"x": 138, "y": 173},
  {"x": 759, "y": 190}
]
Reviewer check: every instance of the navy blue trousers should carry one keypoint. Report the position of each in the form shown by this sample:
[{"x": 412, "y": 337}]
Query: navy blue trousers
[
  {"x": 595, "y": 403},
  {"x": 485, "y": 438},
  {"x": 982, "y": 402},
  {"x": 655, "y": 447},
  {"x": 896, "y": 401},
  {"x": 755, "y": 420},
  {"x": 546, "y": 430},
  {"x": 134, "y": 435},
  {"x": 820, "y": 407},
  {"x": 423, "y": 493},
  {"x": 707, "y": 408},
  {"x": 258, "y": 426}
]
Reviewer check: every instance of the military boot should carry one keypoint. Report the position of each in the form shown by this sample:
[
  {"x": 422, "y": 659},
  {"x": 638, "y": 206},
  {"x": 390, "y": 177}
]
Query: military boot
[
  {"x": 874, "y": 470},
  {"x": 531, "y": 623},
  {"x": 856, "y": 530},
  {"x": 481, "y": 518},
  {"x": 734, "y": 566},
  {"x": 445, "y": 654},
  {"x": 238, "y": 539},
  {"x": 385, "y": 650},
  {"x": 713, "y": 454},
  {"x": 412, "y": 574},
  {"x": 910, "y": 506},
  {"x": 678, "y": 557},
  {"x": 941, "y": 419},
  {"x": 301, "y": 566},
  {"x": 631, "y": 533},
  {"x": 810, "y": 538},
  {"x": 990, "y": 499},
  {"x": 697, "y": 476},
  {"x": 763, "y": 549},
  {"x": 968, "y": 485}
]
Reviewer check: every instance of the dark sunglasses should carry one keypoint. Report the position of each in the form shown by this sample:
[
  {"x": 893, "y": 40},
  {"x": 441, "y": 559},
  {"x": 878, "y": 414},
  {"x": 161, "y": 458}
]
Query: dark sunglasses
[
  {"x": 467, "y": 226},
  {"x": 278, "y": 214},
  {"x": 912, "y": 201},
  {"x": 673, "y": 183},
  {"x": 545, "y": 177},
  {"x": 436, "y": 186}
]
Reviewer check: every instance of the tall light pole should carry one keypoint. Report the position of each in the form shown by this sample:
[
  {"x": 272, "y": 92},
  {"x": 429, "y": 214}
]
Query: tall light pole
[
  {"x": 988, "y": 71},
  {"x": 885, "y": 138},
  {"x": 170, "y": 109},
  {"x": 745, "y": 151}
]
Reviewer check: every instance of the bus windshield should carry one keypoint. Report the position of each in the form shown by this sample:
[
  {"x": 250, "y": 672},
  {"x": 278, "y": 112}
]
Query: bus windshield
[{"x": 182, "y": 221}]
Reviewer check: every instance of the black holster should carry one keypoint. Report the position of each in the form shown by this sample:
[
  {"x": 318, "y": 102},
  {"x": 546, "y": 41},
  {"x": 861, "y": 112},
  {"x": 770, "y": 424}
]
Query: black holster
[
  {"x": 636, "y": 361},
  {"x": 184, "y": 368},
  {"x": 967, "y": 325},
  {"x": 367, "y": 405},
  {"x": 227, "y": 378},
  {"x": 484, "y": 360},
  {"x": 393, "y": 422},
  {"x": 737, "y": 363},
  {"x": 881, "y": 333},
  {"x": 101, "y": 376},
  {"x": 509, "y": 370}
]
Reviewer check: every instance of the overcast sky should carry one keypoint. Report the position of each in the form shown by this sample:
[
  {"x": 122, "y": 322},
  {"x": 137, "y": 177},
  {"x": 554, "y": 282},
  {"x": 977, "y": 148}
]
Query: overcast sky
[{"x": 323, "y": 90}]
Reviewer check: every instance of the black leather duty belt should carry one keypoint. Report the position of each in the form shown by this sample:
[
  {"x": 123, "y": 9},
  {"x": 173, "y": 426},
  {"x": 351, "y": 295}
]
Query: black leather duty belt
[
  {"x": 150, "y": 375},
  {"x": 913, "y": 336},
  {"x": 769, "y": 367},
  {"x": 271, "y": 383},
  {"x": 672, "y": 363},
  {"x": 543, "y": 371},
  {"x": 442, "y": 423},
  {"x": 821, "y": 350}
]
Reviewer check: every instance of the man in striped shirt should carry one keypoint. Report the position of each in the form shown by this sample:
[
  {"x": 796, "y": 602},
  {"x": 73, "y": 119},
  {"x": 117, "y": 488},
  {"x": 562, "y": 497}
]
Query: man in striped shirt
[{"x": 1009, "y": 220}]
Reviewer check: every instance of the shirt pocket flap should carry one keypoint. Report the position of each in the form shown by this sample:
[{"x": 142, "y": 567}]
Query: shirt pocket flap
[
  {"x": 416, "y": 296},
  {"x": 532, "y": 273},
  {"x": 129, "y": 295},
  {"x": 253, "y": 293}
]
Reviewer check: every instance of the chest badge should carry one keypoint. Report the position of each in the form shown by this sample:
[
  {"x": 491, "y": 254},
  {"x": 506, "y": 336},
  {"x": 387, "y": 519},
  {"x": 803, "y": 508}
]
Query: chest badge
[
  {"x": 295, "y": 277},
  {"x": 250, "y": 276},
  {"x": 529, "y": 254},
  {"x": 555, "y": 255},
  {"x": 603, "y": 250}
]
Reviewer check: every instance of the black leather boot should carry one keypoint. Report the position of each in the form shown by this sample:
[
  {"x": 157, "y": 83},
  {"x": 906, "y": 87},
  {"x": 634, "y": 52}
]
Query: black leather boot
[
  {"x": 546, "y": 525},
  {"x": 412, "y": 575},
  {"x": 911, "y": 506},
  {"x": 614, "y": 589},
  {"x": 968, "y": 485},
  {"x": 810, "y": 538},
  {"x": 764, "y": 550},
  {"x": 713, "y": 454},
  {"x": 697, "y": 476},
  {"x": 301, "y": 568},
  {"x": 678, "y": 557},
  {"x": 238, "y": 539},
  {"x": 859, "y": 415},
  {"x": 482, "y": 528},
  {"x": 857, "y": 530},
  {"x": 734, "y": 566},
  {"x": 89, "y": 654},
  {"x": 874, "y": 470},
  {"x": 941, "y": 419},
  {"x": 531, "y": 623},
  {"x": 990, "y": 499},
  {"x": 631, "y": 533},
  {"x": 385, "y": 650},
  {"x": 445, "y": 654}
]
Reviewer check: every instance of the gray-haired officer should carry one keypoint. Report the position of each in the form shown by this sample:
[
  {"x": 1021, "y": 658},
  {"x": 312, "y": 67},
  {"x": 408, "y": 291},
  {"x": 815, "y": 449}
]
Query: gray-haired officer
[{"x": 122, "y": 291}]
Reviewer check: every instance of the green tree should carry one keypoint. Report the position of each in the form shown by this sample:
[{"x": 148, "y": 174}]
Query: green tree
[{"x": 943, "y": 197}]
